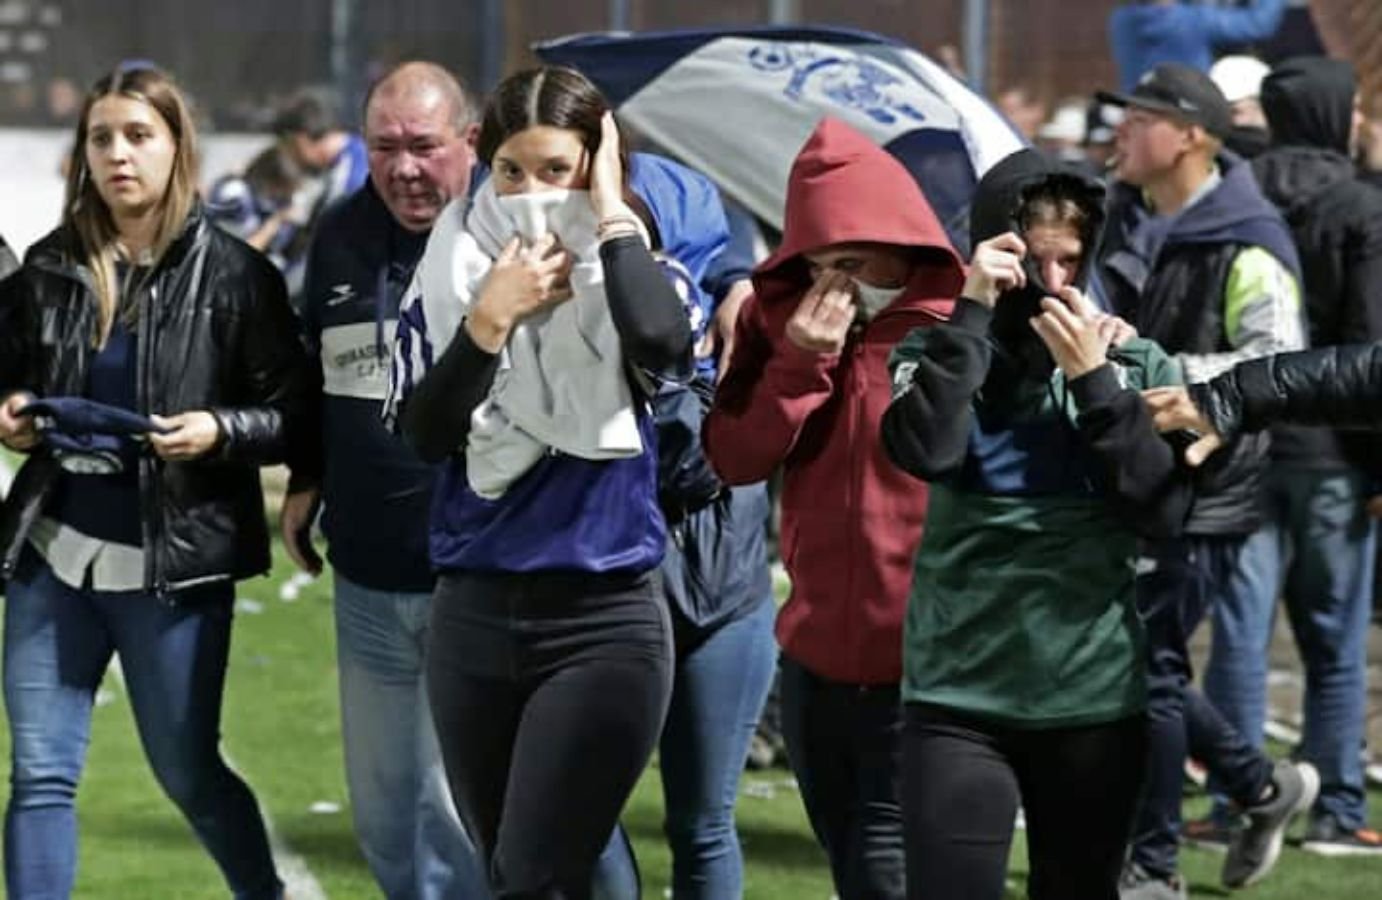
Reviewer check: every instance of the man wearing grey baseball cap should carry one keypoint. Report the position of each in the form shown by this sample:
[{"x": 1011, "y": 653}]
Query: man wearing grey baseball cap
[{"x": 1196, "y": 259}]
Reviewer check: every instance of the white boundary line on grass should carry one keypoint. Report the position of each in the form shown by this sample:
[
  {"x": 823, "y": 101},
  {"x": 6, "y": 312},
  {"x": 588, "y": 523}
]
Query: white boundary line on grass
[{"x": 299, "y": 882}]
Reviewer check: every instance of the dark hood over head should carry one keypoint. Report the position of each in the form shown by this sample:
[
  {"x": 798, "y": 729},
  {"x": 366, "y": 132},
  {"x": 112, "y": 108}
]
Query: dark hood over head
[
  {"x": 998, "y": 203},
  {"x": 845, "y": 188},
  {"x": 1308, "y": 102},
  {"x": 1000, "y": 195}
]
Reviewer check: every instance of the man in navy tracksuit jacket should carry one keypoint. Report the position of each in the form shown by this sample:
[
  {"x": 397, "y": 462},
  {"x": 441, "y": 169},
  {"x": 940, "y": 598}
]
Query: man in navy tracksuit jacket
[{"x": 376, "y": 492}]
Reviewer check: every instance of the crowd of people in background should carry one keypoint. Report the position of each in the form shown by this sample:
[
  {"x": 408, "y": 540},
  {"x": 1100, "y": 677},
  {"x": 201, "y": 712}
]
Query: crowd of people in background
[{"x": 532, "y": 387}]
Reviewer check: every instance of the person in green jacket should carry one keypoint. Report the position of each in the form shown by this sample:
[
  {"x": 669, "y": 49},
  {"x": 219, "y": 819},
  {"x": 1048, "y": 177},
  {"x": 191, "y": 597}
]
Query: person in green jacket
[{"x": 1023, "y": 654}]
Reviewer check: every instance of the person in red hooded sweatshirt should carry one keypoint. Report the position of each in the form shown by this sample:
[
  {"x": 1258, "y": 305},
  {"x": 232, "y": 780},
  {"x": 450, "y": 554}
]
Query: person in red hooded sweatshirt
[{"x": 863, "y": 261}]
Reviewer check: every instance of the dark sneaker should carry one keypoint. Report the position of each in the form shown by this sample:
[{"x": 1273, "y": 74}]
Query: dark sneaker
[
  {"x": 1136, "y": 883},
  {"x": 1210, "y": 833},
  {"x": 1326, "y": 838},
  {"x": 1254, "y": 850}
]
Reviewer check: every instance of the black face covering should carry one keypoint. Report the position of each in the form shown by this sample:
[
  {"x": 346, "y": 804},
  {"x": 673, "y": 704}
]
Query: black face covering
[
  {"x": 1012, "y": 326},
  {"x": 1019, "y": 353}
]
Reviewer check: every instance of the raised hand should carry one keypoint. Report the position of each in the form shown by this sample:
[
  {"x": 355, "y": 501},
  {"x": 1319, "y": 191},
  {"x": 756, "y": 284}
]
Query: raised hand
[
  {"x": 1070, "y": 329},
  {"x": 607, "y": 172},
  {"x": 995, "y": 268},
  {"x": 720, "y": 334},
  {"x": 523, "y": 281},
  {"x": 822, "y": 319}
]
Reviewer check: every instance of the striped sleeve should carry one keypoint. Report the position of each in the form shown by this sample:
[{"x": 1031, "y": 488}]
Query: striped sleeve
[
  {"x": 444, "y": 284},
  {"x": 411, "y": 355}
]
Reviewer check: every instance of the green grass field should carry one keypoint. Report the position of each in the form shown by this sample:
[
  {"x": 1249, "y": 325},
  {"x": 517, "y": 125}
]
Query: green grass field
[{"x": 281, "y": 731}]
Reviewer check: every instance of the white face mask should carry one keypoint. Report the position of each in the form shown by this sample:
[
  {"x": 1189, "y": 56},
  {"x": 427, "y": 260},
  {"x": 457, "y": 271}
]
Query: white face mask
[
  {"x": 564, "y": 213},
  {"x": 873, "y": 300}
]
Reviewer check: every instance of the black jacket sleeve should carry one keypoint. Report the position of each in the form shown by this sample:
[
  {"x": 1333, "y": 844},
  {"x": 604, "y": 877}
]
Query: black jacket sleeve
[
  {"x": 936, "y": 373},
  {"x": 263, "y": 426},
  {"x": 307, "y": 453},
  {"x": 17, "y": 334},
  {"x": 9, "y": 263},
  {"x": 1150, "y": 488},
  {"x": 1336, "y": 386},
  {"x": 436, "y": 417},
  {"x": 652, "y": 324}
]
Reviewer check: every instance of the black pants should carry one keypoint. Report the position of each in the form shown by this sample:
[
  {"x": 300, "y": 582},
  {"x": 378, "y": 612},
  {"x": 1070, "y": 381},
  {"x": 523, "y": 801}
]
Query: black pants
[
  {"x": 548, "y": 692},
  {"x": 843, "y": 741},
  {"x": 962, "y": 780}
]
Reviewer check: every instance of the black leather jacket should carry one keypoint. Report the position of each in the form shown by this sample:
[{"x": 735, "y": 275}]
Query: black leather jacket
[
  {"x": 1340, "y": 387},
  {"x": 215, "y": 333}
]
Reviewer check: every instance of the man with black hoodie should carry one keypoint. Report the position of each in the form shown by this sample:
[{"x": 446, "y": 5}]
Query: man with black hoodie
[
  {"x": 1198, "y": 261},
  {"x": 1320, "y": 480}
]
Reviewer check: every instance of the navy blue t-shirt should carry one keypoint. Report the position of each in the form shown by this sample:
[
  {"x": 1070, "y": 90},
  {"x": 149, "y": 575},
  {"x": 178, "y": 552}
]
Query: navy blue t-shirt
[{"x": 107, "y": 506}]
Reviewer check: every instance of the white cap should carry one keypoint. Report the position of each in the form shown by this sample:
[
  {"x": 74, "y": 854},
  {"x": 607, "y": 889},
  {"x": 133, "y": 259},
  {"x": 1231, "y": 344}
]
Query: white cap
[
  {"x": 1239, "y": 77},
  {"x": 1068, "y": 124}
]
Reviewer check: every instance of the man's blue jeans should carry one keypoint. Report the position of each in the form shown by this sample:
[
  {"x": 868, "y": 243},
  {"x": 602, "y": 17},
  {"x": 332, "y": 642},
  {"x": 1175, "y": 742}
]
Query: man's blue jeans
[
  {"x": 58, "y": 642},
  {"x": 404, "y": 819},
  {"x": 1317, "y": 550}
]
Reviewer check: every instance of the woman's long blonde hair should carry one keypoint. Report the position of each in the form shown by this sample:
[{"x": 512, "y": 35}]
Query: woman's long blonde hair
[{"x": 86, "y": 215}]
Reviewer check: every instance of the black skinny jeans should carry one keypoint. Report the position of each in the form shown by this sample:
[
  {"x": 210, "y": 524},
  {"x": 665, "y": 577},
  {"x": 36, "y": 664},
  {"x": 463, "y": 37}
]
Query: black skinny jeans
[
  {"x": 962, "y": 780},
  {"x": 843, "y": 741},
  {"x": 548, "y": 691}
]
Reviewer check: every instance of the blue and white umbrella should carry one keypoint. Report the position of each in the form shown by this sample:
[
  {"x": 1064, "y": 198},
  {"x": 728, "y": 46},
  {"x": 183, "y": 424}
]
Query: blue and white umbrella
[{"x": 738, "y": 105}]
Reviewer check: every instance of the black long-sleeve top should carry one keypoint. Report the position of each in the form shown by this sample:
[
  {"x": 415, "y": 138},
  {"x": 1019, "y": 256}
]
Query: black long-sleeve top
[{"x": 963, "y": 414}]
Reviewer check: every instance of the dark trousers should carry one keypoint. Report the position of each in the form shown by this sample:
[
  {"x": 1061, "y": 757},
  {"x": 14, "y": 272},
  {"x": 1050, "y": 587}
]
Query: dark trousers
[
  {"x": 1173, "y": 597},
  {"x": 843, "y": 743},
  {"x": 548, "y": 692},
  {"x": 962, "y": 780}
]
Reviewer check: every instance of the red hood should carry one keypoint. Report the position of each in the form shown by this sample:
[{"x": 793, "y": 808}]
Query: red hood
[{"x": 843, "y": 187}]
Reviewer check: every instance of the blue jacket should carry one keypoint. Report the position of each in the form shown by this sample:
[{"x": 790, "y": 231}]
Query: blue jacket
[
  {"x": 1143, "y": 34},
  {"x": 716, "y": 566}
]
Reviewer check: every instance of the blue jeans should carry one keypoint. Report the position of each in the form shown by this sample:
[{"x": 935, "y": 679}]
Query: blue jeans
[
  {"x": 845, "y": 742},
  {"x": 405, "y": 822},
  {"x": 1318, "y": 550},
  {"x": 58, "y": 642},
  {"x": 720, "y": 684},
  {"x": 1173, "y": 596}
]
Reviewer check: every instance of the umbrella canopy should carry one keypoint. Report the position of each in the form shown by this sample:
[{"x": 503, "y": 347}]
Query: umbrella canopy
[{"x": 738, "y": 104}]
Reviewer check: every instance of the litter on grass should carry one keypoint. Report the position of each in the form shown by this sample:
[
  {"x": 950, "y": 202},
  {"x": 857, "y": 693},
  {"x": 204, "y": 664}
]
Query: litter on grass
[{"x": 293, "y": 585}]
